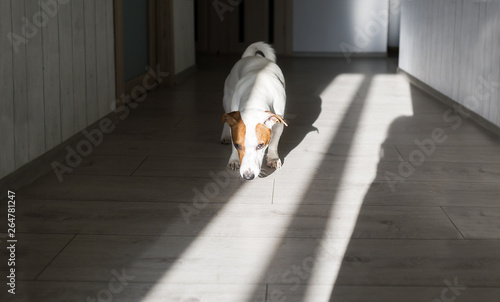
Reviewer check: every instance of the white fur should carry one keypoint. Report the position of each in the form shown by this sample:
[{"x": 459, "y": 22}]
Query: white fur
[
  {"x": 254, "y": 86},
  {"x": 265, "y": 48}
]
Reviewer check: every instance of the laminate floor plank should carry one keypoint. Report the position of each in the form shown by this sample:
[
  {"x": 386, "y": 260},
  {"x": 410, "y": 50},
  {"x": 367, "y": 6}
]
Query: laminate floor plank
[
  {"x": 319, "y": 293},
  {"x": 219, "y": 189},
  {"x": 45, "y": 291},
  {"x": 452, "y": 154},
  {"x": 476, "y": 222},
  {"x": 324, "y": 191},
  {"x": 107, "y": 165},
  {"x": 32, "y": 253},
  {"x": 368, "y": 170},
  {"x": 237, "y": 220},
  {"x": 374, "y": 262}
]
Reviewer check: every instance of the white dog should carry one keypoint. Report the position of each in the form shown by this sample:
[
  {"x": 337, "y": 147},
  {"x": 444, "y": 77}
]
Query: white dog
[{"x": 254, "y": 102}]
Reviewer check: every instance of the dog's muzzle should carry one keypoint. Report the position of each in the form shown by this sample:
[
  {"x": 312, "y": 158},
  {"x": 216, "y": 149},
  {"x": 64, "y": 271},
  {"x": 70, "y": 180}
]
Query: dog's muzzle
[{"x": 248, "y": 175}]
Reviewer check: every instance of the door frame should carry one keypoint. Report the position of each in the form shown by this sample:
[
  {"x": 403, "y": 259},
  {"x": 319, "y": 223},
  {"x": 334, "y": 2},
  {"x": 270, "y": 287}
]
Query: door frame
[
  {"x": 160, "y": 46},
  {"x": 218, "y": 30}
]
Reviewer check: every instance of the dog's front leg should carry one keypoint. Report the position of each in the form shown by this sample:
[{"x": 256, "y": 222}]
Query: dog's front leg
[
  {"x": 234, "y": 160},
  {"x": 273, "y": 159}
]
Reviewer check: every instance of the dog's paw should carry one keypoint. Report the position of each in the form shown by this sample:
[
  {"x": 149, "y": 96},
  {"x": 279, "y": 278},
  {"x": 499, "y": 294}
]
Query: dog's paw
[
  {"x": 274, "y": 163},
  {"x": 234, "y": 165},
  {"x": 225, "y": 140}
]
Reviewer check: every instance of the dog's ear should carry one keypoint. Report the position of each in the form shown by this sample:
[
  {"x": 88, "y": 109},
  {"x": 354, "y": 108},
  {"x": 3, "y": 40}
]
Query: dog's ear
[
  {"x": 274, "y": 119},
  {"x": 231, "y": 118}
]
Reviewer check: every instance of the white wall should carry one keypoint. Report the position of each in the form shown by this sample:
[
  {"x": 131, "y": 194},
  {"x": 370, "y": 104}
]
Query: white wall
[
  {"x": 454, "y": 47},
  {"x": 184, "y": 45},
  {"x": 336, "y": 25},
  {"x": 56, "y": 78}
]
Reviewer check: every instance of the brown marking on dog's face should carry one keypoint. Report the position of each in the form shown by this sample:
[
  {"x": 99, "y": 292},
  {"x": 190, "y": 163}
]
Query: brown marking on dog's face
[
  {"x": 263, "y": 136},
  {"x": 238, "y": 130}
]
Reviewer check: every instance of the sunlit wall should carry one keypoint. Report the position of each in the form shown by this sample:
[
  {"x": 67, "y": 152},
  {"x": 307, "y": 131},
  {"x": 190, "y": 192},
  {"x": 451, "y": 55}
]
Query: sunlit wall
[{"x": 454, "y": 47}]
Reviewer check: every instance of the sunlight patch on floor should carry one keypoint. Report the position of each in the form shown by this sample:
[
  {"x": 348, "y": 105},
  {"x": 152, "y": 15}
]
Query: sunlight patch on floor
[{"x": 385, "y": 91}]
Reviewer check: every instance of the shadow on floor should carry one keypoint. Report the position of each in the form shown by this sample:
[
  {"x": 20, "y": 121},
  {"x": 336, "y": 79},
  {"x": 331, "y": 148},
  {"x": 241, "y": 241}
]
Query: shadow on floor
[{"x": 413, "y": 251}]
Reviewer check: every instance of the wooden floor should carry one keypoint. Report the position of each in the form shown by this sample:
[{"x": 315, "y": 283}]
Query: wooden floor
[{"x": 358, "y": 212}]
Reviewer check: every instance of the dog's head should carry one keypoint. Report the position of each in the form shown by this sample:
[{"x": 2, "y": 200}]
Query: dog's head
[{"x": 251, "y": 134}]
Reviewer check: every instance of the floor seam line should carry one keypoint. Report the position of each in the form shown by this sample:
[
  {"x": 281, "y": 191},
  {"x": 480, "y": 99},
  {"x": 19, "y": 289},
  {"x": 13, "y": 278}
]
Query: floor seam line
[
  {"x": 54, "y": 258},
  {"x": 137, "y": 168},
  {"x": 442, "y": 208},
  {"x": 179, "y": 122},
  {"x": 272, "y": 196},
  {"x": 399, "y": 152}
]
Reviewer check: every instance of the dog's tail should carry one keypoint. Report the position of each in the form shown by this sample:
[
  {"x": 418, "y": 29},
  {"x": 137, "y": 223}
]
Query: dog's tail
[{"x": 260, "y": 49}]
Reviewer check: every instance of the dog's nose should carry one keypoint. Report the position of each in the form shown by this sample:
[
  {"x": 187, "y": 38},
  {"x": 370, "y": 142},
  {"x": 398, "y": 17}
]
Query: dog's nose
[{"x": 248, "y": 175}]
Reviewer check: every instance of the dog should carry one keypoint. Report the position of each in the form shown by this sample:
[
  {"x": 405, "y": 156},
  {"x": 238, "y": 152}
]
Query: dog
[{"x": 254, "y": 105}]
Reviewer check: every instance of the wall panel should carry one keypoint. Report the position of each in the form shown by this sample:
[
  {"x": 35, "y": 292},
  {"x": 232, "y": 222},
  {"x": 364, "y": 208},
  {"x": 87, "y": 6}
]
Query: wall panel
[
  {"x": 79, "y": 77},
  {"x": 20, "y": 90},
  {"x": 494, "y": 21},
  {"x": 34, "y": 73},
  {"x": 48, "y": 84},
  {"x": 90, "y": 59},
  {"x": 50, "y": 43},
  {"x": 101, "y": 59},
  {"x": 6, "y": 92},
  {"x": 110, "y": 52},
  {"x": 453, "y": 46},
  {"x": 66, "y": 71}
]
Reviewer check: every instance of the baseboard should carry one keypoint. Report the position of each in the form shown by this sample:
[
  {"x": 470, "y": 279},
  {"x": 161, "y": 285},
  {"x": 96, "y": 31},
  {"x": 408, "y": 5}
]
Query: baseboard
[
  {"x": 450, "y": 102},
  {"x": 42, "y": 165},
  {"x": 181, "y": 76}
]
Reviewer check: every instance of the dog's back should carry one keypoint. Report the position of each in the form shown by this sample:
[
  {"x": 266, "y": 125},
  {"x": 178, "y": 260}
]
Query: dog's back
[{"x": 258, "y": 64}]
